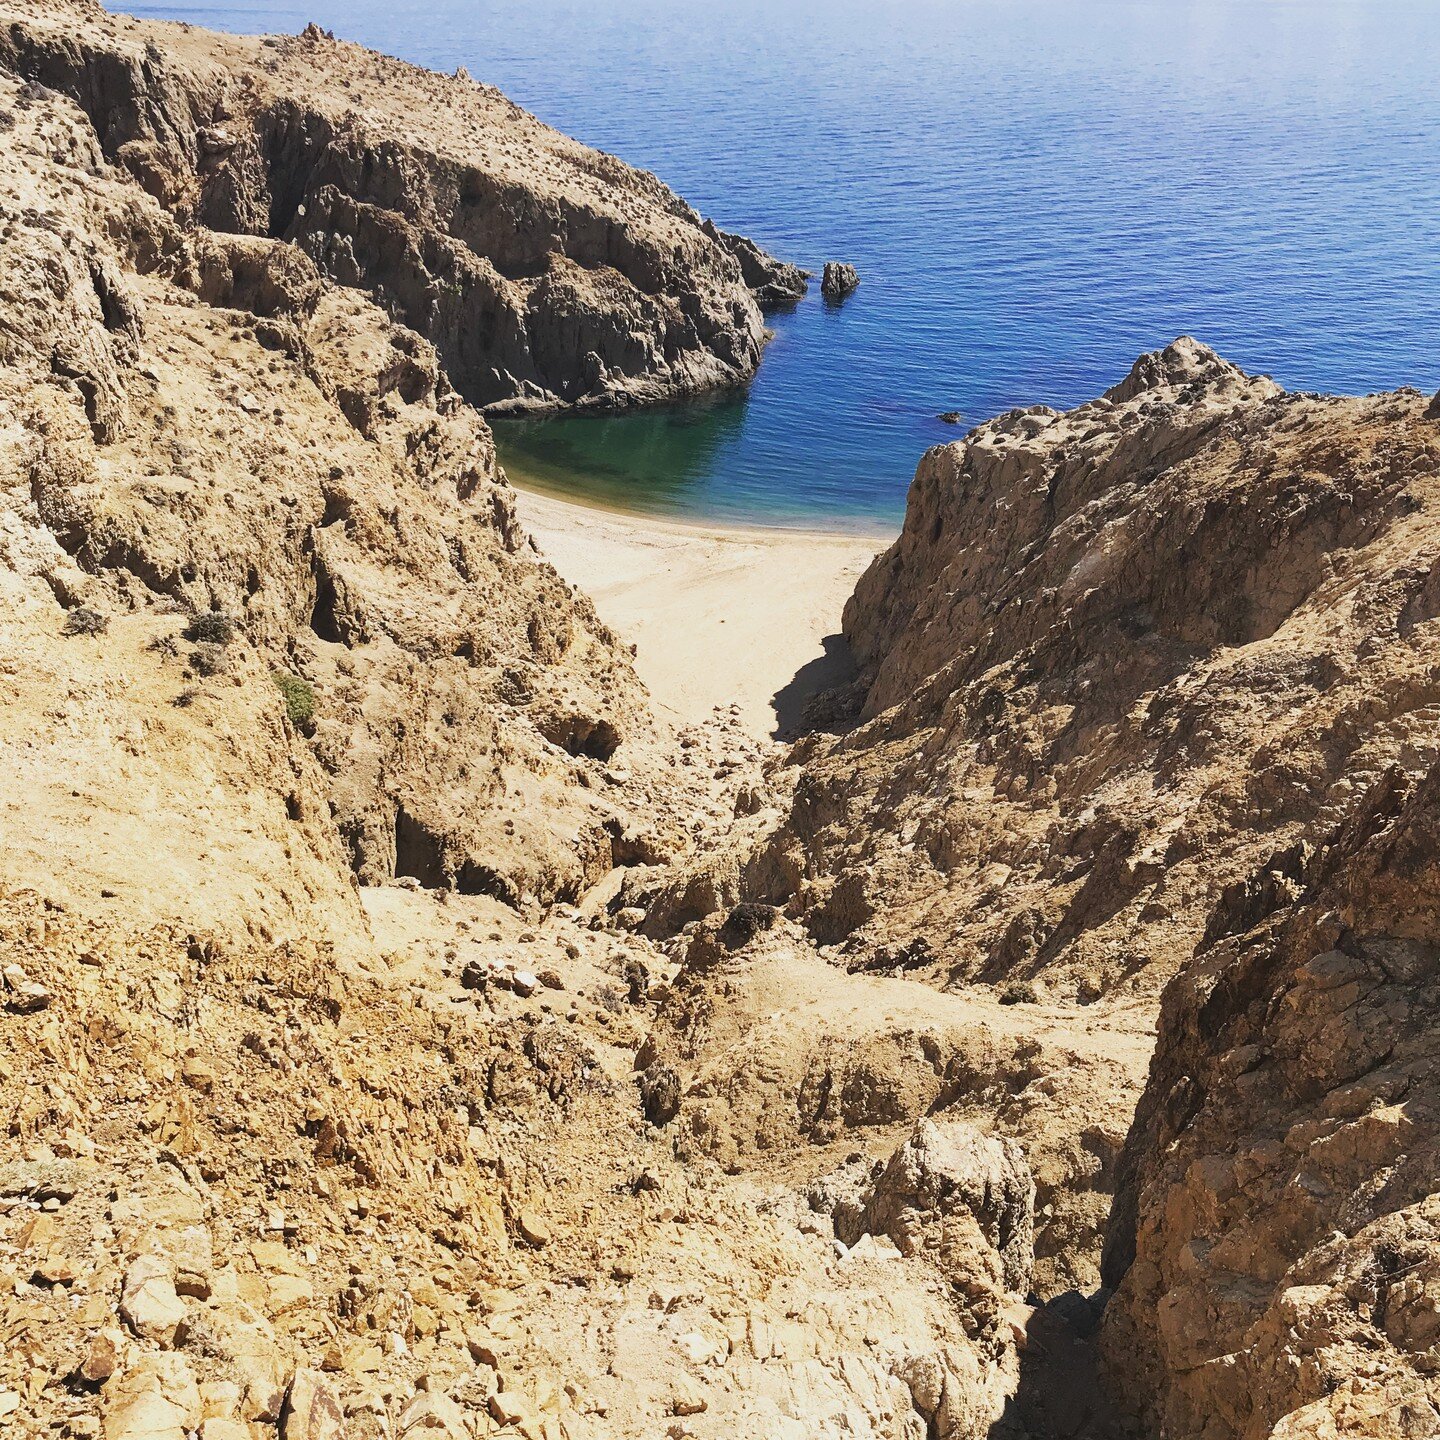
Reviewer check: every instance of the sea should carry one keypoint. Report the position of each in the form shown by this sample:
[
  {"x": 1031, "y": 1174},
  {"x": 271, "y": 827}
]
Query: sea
[{"x": 1033, "y": 191}]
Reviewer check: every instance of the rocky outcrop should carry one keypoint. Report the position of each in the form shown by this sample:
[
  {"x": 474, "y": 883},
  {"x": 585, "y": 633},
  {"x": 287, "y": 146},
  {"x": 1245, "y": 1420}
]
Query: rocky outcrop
[
  {"x": 204, "y": 428},
  {"x": 1116, "y": 657},
  {"x": 542, "y": 272},
  {"x": 318, "y": 1092},
  {"x": 775, "y": 284},
  {"x": 953, "y": 1191},
  {"x": 1275, "y": 1235},
  {"x": 838, "y": 280}
]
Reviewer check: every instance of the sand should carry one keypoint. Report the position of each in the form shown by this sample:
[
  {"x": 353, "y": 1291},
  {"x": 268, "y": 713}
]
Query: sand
[{"x": 719, "y": 615}]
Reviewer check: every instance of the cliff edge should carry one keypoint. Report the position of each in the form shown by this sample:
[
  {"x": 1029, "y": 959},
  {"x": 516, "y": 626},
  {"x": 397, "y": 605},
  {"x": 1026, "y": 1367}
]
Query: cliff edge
[{"x": 544, "y": 273}]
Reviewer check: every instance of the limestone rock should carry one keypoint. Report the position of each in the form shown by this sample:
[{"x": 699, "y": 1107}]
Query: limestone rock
[
  {"x": 773, "y": 282},
  {"x": 945, "y": 1189},
  {"x": 564, "y": 279},
  {"x": 156, "y": 1398},
  {"x": 103, "y": 1358},
  {"x": 1274, "y": 1239},
  {"x": 1099, "y": 629},
  {"x": 149, "y": 1303},
  {"x": 430, "y": 1414},
  {"x": 311, "y": 1410}
]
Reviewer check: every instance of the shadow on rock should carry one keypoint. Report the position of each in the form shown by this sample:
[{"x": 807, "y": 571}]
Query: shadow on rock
[{"x": 1060, "y": 1392}]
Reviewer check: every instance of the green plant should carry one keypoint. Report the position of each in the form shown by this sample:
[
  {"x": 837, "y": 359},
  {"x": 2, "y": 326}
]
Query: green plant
[{"x": 299, "y": 698}]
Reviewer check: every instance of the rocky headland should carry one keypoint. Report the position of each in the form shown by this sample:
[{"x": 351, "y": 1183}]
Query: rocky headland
[
  {"x": 544, "y": 273},
  {"x": 407, "y": 1030}
]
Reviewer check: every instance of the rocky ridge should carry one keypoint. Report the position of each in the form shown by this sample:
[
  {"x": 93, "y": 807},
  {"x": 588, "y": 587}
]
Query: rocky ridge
[
  {"x": 1116, "y": 658},
  {"x": 1124, "y": 672},
  {"x": 544, "y": 273}
]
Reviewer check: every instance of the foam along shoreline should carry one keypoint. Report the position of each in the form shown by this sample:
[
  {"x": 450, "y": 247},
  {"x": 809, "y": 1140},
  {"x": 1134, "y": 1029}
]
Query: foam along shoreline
[{"x": 720, "y": 615}]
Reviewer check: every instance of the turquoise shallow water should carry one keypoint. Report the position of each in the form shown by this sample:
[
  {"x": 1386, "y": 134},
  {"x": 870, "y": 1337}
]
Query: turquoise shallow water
[{"x": 1034, "y": 191}]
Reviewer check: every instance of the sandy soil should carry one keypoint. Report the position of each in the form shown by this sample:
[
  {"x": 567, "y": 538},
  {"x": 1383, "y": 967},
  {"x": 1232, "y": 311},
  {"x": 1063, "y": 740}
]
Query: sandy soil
[{"x": 720, "y": 616}]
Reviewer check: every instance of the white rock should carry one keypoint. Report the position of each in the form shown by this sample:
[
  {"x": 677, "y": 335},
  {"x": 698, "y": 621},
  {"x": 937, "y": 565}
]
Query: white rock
[{"x": 148, "y": 1302}]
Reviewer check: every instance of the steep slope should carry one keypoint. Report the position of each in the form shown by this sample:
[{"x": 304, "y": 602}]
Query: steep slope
[
  {"x": 404, "y": 1033},
  {"x": 544, "y": 273},
  {"x": 1275, "y": 1238},
  {"x": 216, "y": 431},
  {"x": 320, "y": 1104},
  {"x": 1115, "y": 658}
]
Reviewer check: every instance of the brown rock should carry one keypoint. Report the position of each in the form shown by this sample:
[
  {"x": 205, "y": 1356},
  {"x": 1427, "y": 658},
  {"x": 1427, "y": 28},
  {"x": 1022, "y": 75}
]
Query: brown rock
[
  {"x": 533, "y": 1227},
  {"x": 311, "y": 1410},
  {"x": 103, "y": 1358}
]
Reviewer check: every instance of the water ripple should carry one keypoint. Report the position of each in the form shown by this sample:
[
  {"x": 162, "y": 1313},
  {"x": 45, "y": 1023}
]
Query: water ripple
[{"x": 1034, "y": 191}]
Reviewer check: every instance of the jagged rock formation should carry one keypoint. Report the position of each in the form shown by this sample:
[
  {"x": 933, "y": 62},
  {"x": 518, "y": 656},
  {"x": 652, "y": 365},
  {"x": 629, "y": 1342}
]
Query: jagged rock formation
[
  {"x": 1115, "y": 658},
  {"x": 838, "y": 280},
  {"x": 774, "y": 283},
  {"x": 952, "y": 1188},
  {"x": 200, "y": 425},
  {"x": 1275, "y": 1237},
  {"x": 319, "y": 1099},
  {"x": 543, "y": 273},
  {"x": 402, "y": 1032}
]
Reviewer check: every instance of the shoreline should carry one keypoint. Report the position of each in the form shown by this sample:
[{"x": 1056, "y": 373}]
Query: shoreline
[
  {"x": 523, "y": 483},
  {"x": 721, "y": 615}
]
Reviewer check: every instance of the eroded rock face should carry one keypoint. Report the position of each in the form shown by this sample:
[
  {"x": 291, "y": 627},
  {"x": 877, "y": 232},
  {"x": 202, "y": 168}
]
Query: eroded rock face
[
  {"x": 204, "y": 427},
  {"x": 544, "y": 273},
  {"x": 1116, "y": 657},
  {"x": 1275, "y": 1236},
  {"x": 774, "y": 283},
  {"x": 838, "y": 280},
  {"x": 950, "y": 1189}
]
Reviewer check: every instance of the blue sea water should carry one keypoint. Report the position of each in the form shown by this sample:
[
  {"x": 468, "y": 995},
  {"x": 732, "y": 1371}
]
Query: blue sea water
[{"x": 1034, "y": 192}]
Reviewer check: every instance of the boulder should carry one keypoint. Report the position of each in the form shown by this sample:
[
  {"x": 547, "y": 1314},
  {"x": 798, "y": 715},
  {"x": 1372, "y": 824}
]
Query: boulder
[
  {"x": 952, "y": 1191},
  {"x": 149, "y": 1304},
  {"x": 311, "y": 1410},
  {"x": 155, "y": 1399}
]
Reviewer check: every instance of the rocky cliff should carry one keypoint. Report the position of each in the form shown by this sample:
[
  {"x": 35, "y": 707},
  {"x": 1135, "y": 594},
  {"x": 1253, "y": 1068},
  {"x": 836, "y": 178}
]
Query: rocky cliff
[
  {"x": 406, "y": 1033},
  {"x": 242, "y": 472},
  {"x": 542, "y": 272},
  {"x": 321, "y": 1110},
  {"x": 1116, "y": 657},
  {"x": 1274, "y": 1241}
]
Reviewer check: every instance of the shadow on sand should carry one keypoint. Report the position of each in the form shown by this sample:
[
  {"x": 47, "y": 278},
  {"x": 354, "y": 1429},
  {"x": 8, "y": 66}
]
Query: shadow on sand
[{"x": 828, "y": 671}]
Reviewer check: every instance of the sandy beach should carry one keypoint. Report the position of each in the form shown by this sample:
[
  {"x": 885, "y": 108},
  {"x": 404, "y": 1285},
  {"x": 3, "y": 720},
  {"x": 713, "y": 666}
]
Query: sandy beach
[{"x": 719, "y": 615}]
